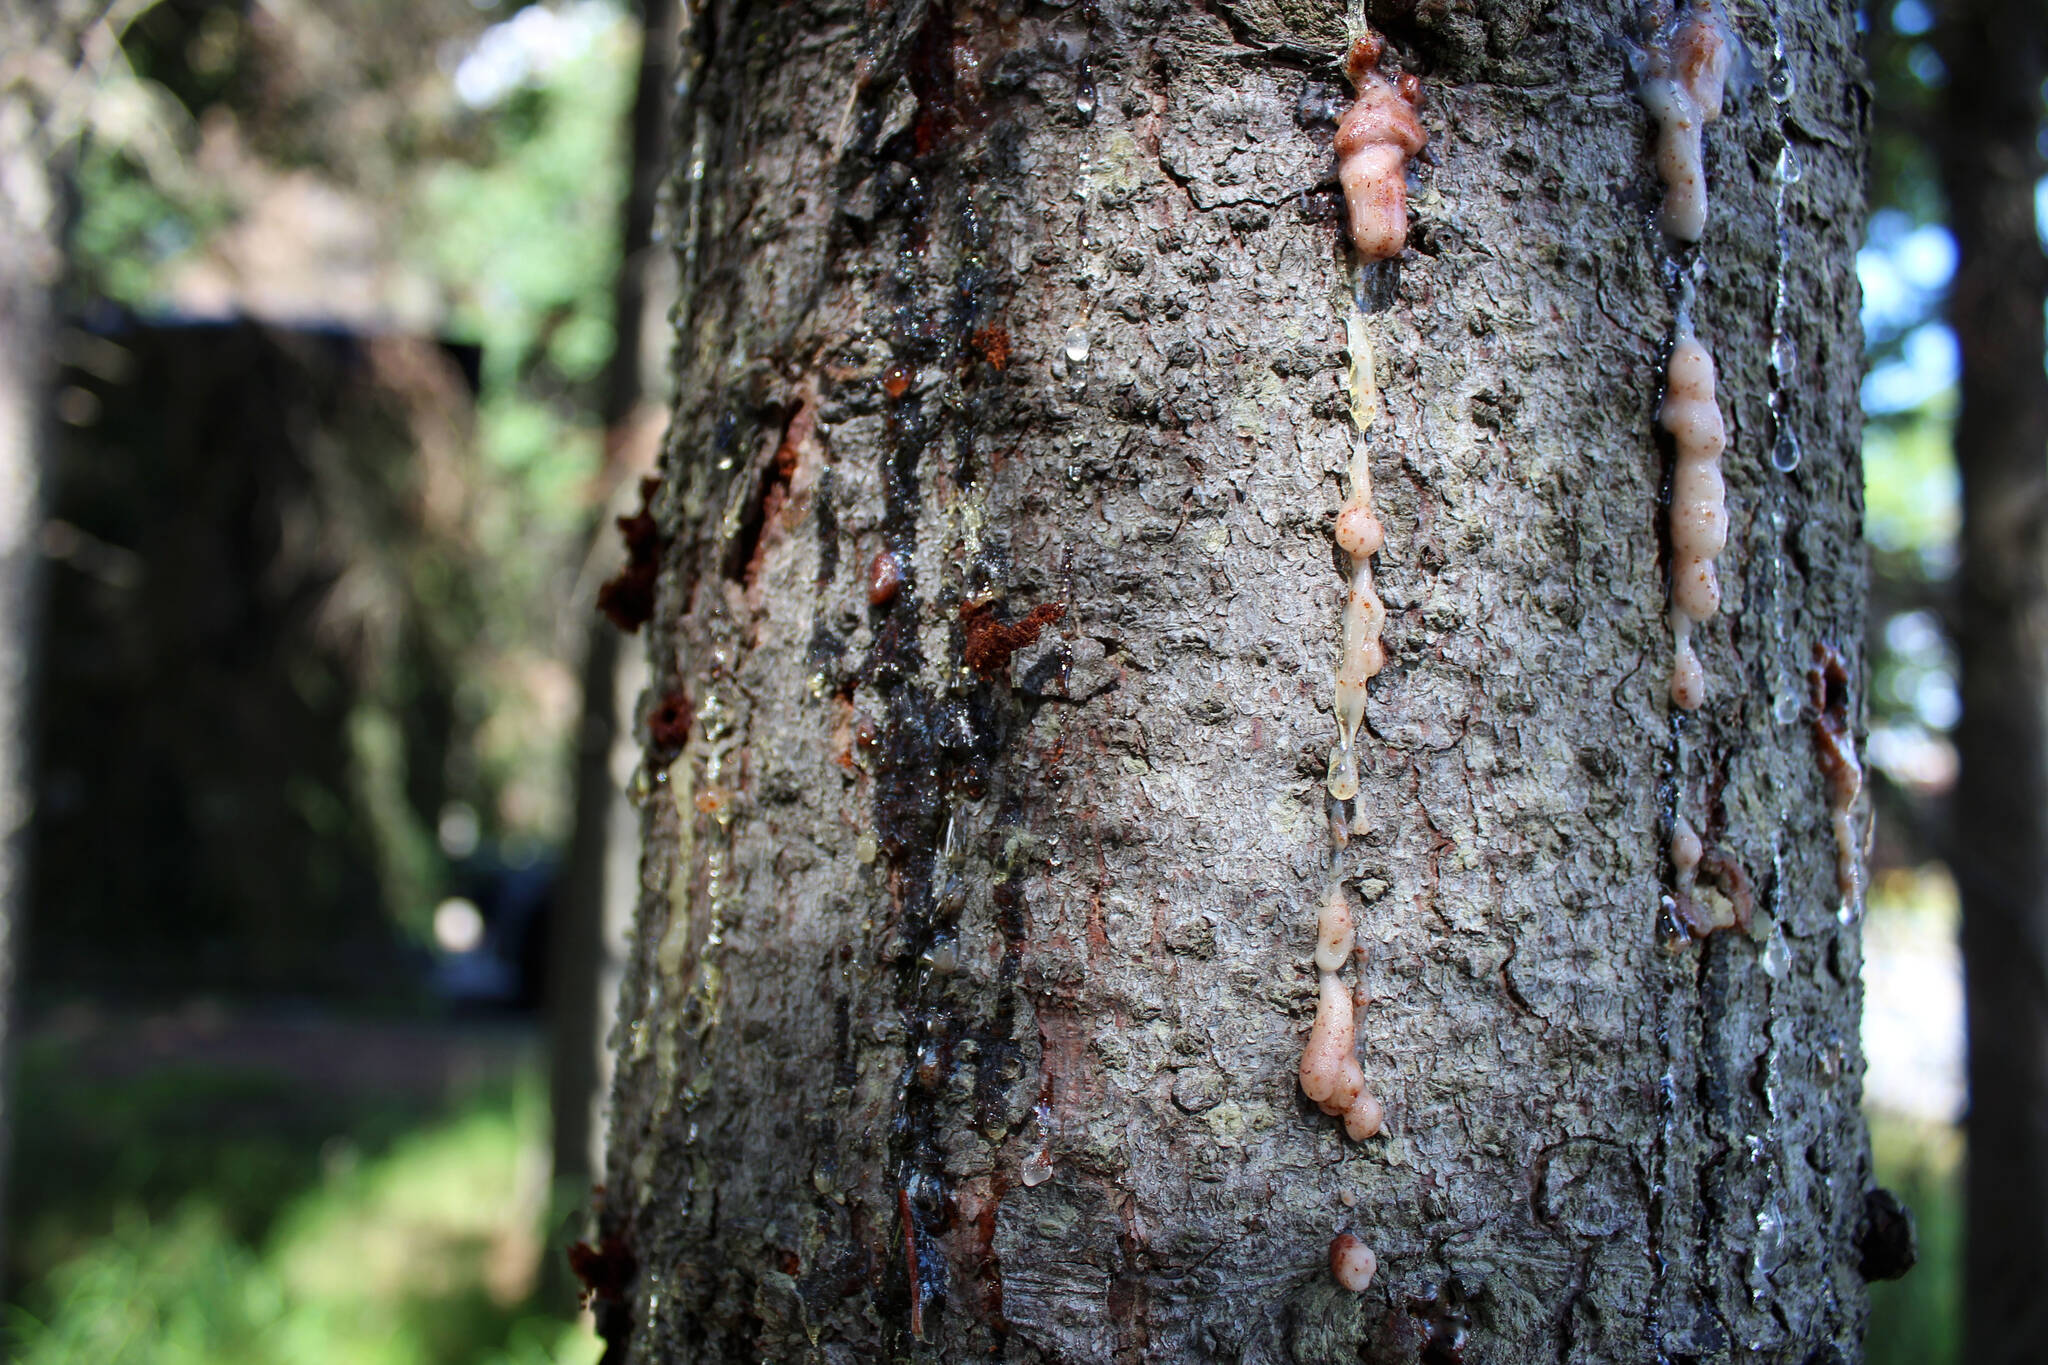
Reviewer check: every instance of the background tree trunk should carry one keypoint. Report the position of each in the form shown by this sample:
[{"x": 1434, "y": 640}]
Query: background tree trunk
[
  {"x": 587, "y": 932},
  {"x": 964, "y": 1011},
  {"x": 37, "y": 51},
  {"x": 1988, "y": 150}
]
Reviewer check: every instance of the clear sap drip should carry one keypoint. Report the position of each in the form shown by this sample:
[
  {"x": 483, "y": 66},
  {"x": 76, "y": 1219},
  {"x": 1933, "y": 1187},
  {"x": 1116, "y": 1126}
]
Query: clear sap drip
[
  {"x": 1785, "y": 452},
  {"x": 1341, "y": 778},
  {"x": 1777, "y": 957},
  {"x": 1784, "y": 354}
]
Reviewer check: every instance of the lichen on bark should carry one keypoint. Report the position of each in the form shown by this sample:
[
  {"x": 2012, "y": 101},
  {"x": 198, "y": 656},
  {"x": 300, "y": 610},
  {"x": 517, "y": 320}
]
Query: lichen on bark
[{"x": 964, "y": 1011}]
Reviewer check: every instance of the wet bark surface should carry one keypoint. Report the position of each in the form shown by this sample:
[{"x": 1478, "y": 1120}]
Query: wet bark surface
[{"x": 968, "y": 990}]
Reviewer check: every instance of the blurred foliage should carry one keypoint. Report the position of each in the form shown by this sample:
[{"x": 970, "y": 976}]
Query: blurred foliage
[
  {"x": 1910, "y": 479},
  {"x": 1911, "y": 493},
  {"x": 524, "y": 243},
  {"x": 246, "y": 1218},
  {"x": 477, "y": 150},
  {"x": 1905, "y": 76},
  {"x": 98, "y": 1151},
  {"x": 126, "y": 227}
]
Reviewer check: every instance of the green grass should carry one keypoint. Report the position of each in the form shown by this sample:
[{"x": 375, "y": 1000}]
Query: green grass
[
  {"x": 1917, "y": 1320},
  {"x": 92, "y": 1152},
  {"x": 196, "y": 1218}
]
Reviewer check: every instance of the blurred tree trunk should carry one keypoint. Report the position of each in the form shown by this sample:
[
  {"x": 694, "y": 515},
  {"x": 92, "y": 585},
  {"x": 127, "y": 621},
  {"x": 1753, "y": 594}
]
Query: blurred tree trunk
[
  {"x": 1988, "y": 147},
  {"x": 587, "y": 931},
  {"x": 38, "y": 49},
  {"x": 965, "y": 1003}
]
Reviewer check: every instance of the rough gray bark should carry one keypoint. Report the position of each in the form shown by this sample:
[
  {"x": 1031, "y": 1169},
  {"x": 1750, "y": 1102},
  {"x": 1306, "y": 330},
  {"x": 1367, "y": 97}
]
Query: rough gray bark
[
  {"x": 1990, "y": 159},
  {"x": 964, "y": 1012}
]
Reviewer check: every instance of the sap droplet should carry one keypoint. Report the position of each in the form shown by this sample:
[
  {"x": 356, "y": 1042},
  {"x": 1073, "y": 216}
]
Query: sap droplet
[
  {"x": 865, "y": 849},
  {"x": 942, "y": 957},
  {"x": 1770, "y": 1239},
  {"x": 1784, "y": 355},
  {"x": 1084, "y": 99},
  {"x": 1341, "y": 778},
  {"x": 1777, "y": 958},
  {"x": 1785, "y": 709},
  {"x": 1780, "y": 83},
  {"x": 1785, "y": 452},
  {"x": 1791, "y": 170},
  {"x": 1037, "y": 1168},
  {"x": 1077, "y": 345}
]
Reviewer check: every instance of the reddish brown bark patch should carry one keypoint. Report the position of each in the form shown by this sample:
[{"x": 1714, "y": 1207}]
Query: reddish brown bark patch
[
  {"x": 992, "y": 344},
  {"x": 606, "y": 1269},
  {"x": 743, "y": 562},
  {"x": 989, "y": 643},
  {"x": 885, "y": 579},
  {"x": 910, "y": 1258},
  {"x": 1828, "y": 684},
  {"x": 627, "y": 598},
  {"x": 668, "y": 724}
]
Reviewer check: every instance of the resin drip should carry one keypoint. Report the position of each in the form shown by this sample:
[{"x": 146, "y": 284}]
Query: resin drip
[
  {"x": 1835, "y": 747},
  {"x": 1699, "y": 509},
  {"x": 1360, "y": 537},
  {"x": 1710, "y": 890},
  {"x": 1375, "y": 138},
  {"x": 1351, "y": 1262},
  {"x": 1330, "y": 1074},
  {"x": 1684, "y": 70}
]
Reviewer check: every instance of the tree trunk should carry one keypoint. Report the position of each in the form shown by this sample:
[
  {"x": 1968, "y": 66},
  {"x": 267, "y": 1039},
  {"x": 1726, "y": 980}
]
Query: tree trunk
[
  {"x": 1990, "y": 159},
  {"x": 34, "y": 46},
  {"x": 968, "y": 991},
  {"x": 587, "y": 929}
]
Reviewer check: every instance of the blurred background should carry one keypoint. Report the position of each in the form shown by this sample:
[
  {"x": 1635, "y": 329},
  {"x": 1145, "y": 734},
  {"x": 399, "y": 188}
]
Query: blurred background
[
  {"x": 361, "y": 333},
  {"x": 362, "y": 313}
]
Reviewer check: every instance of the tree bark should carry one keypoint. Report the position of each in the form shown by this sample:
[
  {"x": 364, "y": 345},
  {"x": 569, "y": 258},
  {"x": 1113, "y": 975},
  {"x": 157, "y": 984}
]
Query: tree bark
[
  {"x": 967, "y": 992},
  {"x": 1988, "y": 150}
]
